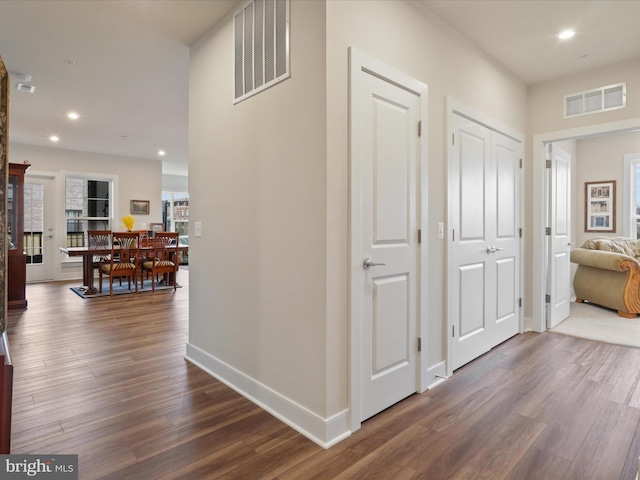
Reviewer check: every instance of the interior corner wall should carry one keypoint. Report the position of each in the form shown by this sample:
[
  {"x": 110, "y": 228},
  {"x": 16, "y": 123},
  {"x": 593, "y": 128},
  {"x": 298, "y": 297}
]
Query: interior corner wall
[
  {"x": 257, "y": 185},
  {"x": 406, "y": 36}
]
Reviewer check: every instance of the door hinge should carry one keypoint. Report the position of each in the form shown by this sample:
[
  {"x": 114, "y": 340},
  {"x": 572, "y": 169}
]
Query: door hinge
[
  {"x": 547, "y": 298},
  {"x": 520, "y": 232},
  {"x": 547, "y": 231},
  {"x": 520, "y": 163},
  {"x": 548, "y": 163},
  {"x": 419, "y": 236},
  {"x": 420, "y": 128},
  {"x": 419, "y": 344},
  {"x": 453, "y": 331},
  {"x": 454, "y": 236},
  {"x": 520, "y": 302},
  {"x": 453, "y": 139}
]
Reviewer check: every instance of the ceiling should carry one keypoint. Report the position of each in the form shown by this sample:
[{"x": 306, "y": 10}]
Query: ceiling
[{"x": 122, "y": 65}]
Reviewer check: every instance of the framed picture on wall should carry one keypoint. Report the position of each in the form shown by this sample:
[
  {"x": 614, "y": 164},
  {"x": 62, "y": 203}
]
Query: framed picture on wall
[
  {"x": 140, "y": 207},
  {"x": 600, "y": 206},
  {"x": 156, "y": 227}
]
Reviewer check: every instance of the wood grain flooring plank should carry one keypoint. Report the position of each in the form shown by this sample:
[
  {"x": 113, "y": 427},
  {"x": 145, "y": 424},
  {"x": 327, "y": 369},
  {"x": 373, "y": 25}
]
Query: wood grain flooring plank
[
  {"x": 449, "y": 412},
  {"x": 537, "y": 464},
  {"x": 604, "y": 450},
  {"x": 633, "y": 456},
  {"x": 502, "y": 451},
  {"x": 391, "y": 458},
  {"x": 373, "y": 436},
  {"x": 571, "y": 422},
  {"x": 214, "y": 465},
  {"x": 461, "y": 442},
  {"x": 274, "y": 462}
]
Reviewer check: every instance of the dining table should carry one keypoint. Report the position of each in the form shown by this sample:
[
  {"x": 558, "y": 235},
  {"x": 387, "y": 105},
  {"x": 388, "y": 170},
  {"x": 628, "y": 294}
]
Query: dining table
[{"x": 87, "y": 255}]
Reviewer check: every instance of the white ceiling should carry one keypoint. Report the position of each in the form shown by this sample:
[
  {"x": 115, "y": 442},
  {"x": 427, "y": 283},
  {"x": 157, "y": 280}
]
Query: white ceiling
[
  {"x": 123, "y": 64},
  {"x": 521, "y": 34},
  {"x": 128, "y": 80}
]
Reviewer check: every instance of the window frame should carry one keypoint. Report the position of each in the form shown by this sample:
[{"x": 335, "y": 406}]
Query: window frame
[
  {"x": 113, "y": 201},
  {"x": 631, "y": 218}
]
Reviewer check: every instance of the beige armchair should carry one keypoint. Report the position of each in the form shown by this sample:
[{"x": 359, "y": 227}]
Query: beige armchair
[{"x": 608, "y": 274}]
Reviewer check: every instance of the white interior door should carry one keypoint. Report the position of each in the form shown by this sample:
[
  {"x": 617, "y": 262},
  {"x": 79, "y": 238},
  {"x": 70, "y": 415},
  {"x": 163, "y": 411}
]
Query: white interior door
[
  {"x": 385, "y": 189},
  {"x": 484, "y": 243},
  {"x": 39, "y": 217},
  {"x": 559, "y": 263}
]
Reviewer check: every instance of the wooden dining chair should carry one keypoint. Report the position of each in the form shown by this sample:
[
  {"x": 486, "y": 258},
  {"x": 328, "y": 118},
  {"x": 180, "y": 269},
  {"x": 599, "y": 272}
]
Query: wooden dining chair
[
  {"x": 100, "y": 241},
  {"x": 124, "y": 259},
  {"x": 165, "y": 258}
]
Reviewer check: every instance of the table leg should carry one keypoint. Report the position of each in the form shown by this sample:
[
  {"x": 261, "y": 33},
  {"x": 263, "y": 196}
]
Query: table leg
[{"x": 87, "y": 274}]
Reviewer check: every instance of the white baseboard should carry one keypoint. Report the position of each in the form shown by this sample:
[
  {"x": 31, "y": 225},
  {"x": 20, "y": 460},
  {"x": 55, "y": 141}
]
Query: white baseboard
[
  {"x": 436, "y": 375},
  {"x": 323, "y": 431}
]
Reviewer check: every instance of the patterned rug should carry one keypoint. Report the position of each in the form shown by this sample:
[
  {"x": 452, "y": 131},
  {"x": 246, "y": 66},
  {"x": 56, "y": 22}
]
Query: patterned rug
[{"x": 124, "y": 289}]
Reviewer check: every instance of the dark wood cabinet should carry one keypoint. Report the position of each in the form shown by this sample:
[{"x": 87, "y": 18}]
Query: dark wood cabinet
[{"x": 16, "y": 257}]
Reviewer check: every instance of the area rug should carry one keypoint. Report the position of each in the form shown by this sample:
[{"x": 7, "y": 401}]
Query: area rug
[
  {"x": 121, "y": 290},
  {"x": 601, "y": 324}
]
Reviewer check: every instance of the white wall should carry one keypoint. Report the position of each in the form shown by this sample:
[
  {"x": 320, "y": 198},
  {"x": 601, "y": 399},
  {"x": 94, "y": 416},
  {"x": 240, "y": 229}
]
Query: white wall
[
  {"x": 257, "y": 182},
  {"x": 269, "y": 182},
  {"x": 600, "y": 159},
  {"x": 138, "y": 179},
  {"x": 175, "y": 183}
]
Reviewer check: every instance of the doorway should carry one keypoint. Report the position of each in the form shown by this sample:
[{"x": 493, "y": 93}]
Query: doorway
[
  {"x": 559, "y": 234},
  {"x": 387, "y": 209},
  {"x": 484, "y": 247},
  {"x": 39, "y": 228},
  {"x": 537, "y": 322}
]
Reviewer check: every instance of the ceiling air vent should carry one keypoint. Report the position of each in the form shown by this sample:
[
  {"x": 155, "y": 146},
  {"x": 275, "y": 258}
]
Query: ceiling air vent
[
  {"x": 23, "y": 87},
  {"x": 261, "y": 46},
  {"x": 603, "y": 99}
]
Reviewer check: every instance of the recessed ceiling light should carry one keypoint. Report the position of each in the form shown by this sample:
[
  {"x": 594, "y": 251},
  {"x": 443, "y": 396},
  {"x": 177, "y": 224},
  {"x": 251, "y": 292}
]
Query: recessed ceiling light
[
  {"x": 73, "y": 115},
  {"x": 162, "y": 153},
  {"x": 566, "y": 34},
  {"x": 54, "y": 138}
]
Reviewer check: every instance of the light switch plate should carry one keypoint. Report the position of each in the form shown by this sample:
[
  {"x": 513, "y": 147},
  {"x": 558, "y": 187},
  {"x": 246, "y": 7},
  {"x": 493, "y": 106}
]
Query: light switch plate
[{"x": 198, "y": 229}]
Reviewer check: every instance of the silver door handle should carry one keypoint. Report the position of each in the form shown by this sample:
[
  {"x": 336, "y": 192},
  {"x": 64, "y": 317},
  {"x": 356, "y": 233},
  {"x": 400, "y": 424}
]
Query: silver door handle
[
  {"x": 367, "y": 262},
  {"x": 493, "y": 249}
]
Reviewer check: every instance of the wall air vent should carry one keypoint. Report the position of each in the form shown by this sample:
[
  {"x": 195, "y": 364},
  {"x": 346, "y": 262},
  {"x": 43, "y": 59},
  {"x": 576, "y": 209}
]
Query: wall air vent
[
  {"x": 261, "y": 46},
  {"x": 603, "y": 99},
  {"x": 23, "y": 87}
]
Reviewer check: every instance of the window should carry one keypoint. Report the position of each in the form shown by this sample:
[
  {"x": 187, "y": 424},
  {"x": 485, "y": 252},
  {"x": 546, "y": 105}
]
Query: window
[
  {"x": 631, "y": 209},
  {"x": 33, "y": 221},
  {"x": 175, "y": 207},
  {"x": 87, "y": 207}
]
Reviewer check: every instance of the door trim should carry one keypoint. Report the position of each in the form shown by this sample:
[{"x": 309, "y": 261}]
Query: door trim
[
  {"x": 362, "y": 62},
  {"x": 454, "y": 107},
  {"x": 537, "y": 322}
]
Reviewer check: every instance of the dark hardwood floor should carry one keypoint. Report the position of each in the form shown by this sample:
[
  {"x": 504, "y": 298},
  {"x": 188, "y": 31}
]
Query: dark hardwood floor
[{"x": 106, "y": 379}]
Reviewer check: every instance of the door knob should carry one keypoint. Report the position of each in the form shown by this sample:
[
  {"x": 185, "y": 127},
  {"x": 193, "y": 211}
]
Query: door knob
[
  {"x": 367, "y": 262},
  {"x": 493, "y": 249}
]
